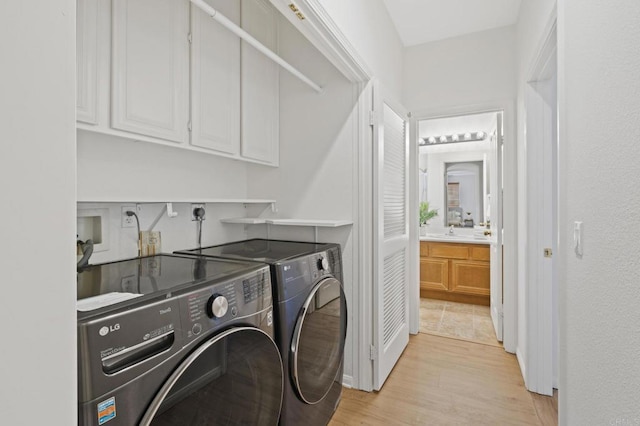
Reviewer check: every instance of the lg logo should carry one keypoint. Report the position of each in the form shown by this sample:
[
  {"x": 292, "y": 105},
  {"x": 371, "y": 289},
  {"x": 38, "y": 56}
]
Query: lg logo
[{"x": 106, "y": 329}]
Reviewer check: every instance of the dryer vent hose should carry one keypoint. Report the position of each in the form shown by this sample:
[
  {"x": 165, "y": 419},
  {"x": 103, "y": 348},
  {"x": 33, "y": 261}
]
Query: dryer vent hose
[{"x": 87, "y": 251}]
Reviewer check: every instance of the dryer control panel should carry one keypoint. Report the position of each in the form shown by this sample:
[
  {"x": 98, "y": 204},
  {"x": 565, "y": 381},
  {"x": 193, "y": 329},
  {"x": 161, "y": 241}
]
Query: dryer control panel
[{"x": 320, "y": 265}]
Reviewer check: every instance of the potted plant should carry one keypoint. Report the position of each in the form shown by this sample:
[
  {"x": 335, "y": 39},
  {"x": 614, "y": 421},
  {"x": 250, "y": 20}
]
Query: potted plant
[{"x": 425, "y": 216}]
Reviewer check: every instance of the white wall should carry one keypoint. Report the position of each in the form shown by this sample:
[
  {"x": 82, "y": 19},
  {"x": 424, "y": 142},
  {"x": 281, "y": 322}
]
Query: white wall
[
  {"x": 599, "y": 97},
  {"x": 368, "y": 27},
  {"x": 37, "y": 171},
  {"x": 317, "y": 157},
  {"x": 177, "y": 233},
  {"x": 466, "y": 70},
  {"x": 533, "y": 19},
  {"x": 114, "y": 168}
]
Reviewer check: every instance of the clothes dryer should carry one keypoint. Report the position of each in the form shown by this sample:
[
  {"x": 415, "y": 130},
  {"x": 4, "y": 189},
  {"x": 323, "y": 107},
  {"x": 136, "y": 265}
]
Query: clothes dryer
[
  {"x": 175, "y": 340},
  {"x": 311, "y": 320}
]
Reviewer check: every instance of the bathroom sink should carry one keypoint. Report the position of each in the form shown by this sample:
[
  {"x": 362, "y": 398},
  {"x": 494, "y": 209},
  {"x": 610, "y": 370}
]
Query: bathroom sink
[
  {"x": 453, "y": 237},
  {"x": 447, "y": 236}
]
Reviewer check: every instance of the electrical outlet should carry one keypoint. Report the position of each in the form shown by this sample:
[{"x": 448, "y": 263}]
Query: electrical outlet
[
  {"x": 193, "y": 210},
  {"x": 128, "y": 221}
]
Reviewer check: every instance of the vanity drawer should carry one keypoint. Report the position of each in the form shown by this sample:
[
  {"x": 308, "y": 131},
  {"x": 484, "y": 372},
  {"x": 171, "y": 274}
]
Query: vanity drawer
[
  {"x": 480, "y": 253},
  {"x": 424, "y": 249},
  {"x": 448, "y": 251}
]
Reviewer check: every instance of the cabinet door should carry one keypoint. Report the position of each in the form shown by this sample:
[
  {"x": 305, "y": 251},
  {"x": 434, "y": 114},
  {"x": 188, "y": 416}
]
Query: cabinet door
[
  {"x": 434, "y": 274},
  {"x": 150, "y": 57},
  {"x": 260, "y": 84},
  {"x": 87, "y": 61},
  {"x": 215, "y": 80},
  {"x": 470, "y": 277}
]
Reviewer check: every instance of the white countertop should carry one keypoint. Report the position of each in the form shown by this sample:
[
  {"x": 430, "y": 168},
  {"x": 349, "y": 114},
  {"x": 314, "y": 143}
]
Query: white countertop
[{"x": 467, "y": 239}]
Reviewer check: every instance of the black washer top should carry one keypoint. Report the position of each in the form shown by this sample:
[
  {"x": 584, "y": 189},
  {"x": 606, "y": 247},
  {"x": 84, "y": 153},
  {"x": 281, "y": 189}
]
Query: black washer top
[
  {"x": 259, "y": 250},
  {"x": 153, "y": 276}
]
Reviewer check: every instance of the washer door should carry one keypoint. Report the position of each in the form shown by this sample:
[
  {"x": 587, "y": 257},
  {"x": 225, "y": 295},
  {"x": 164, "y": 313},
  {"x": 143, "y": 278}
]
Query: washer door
[
  {"x": 234, "y": 378},
  {"x": 317, "y": 347}
]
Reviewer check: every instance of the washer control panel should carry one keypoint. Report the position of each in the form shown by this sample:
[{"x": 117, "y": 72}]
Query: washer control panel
[{"x": 210, "y": 307}]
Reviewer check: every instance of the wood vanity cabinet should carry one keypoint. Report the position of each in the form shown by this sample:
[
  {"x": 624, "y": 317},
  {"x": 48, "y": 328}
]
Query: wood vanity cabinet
[{"x": 456, "y": 272}]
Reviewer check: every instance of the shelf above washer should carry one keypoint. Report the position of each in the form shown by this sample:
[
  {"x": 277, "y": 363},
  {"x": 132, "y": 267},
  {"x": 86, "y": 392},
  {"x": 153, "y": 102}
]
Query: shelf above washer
[
  {"x": 181, "y": 200},
  {"x": 320, "y": 223},
  {"x": 244, "y": 220}
]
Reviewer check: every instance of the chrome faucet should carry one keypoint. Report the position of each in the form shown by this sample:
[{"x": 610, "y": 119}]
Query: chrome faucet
[{"x": 451, "y": 230}]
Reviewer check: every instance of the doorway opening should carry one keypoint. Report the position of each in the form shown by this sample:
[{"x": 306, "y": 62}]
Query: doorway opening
[{"x": 460, "y": 177}]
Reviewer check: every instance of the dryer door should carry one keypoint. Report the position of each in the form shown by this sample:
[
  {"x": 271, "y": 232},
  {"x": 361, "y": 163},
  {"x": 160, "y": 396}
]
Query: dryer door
[
  {"x": 317, "y": 347},
  {"x": 235, "y": 377}
]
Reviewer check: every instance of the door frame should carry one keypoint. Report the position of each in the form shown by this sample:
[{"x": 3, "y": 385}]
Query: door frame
[
  {"x": 509, "y": 206},
  {"x": 537, "y": 357}
]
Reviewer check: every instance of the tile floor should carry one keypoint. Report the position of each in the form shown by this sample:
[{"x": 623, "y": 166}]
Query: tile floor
[{"x": 457, "y": 320}]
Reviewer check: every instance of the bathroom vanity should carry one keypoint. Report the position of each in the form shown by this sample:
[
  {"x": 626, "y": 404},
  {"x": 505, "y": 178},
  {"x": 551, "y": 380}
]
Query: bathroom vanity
[{"x": 456, "y": 270}]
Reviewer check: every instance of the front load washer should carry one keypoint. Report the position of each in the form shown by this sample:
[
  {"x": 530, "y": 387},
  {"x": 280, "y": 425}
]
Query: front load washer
[
  {"x": 175, "y": 340},
  {"x": 311, "y": 323}
]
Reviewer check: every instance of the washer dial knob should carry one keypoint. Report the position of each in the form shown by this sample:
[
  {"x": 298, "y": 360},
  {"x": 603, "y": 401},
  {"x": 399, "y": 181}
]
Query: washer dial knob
[
  {"x": 217, "y": 306},
  {"x": 323, "y": 264}
]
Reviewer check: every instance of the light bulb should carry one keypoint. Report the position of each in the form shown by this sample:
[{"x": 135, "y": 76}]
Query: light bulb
[
  {"x": 454, "y": 137},
  {"x": 432, "y": 139},
  {"x": 480, "y": 135},
  {"x": 443, "y": 139},
  {"x": 467, "y": 136}
]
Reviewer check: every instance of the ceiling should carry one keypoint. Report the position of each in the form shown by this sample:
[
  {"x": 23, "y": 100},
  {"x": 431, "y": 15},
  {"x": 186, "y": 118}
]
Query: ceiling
[{"x": 422, "y": 21}]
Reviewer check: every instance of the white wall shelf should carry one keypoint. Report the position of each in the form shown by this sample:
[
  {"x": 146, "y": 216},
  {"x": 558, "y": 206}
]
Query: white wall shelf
[
  {"x": 244, "y": 220},
  {"x": 313, "y": 223},
  {"x": 180, "y": 200},
  {"x": 310, "y": 222},
  {"x": 288, "y": 222}
]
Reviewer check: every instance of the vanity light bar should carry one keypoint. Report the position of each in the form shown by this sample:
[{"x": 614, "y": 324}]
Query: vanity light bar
[{"x": 454, "y": 138}]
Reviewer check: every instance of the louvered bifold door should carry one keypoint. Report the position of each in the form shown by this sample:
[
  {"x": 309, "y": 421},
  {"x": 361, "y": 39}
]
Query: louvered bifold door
[{"x": 391, "y": 239}]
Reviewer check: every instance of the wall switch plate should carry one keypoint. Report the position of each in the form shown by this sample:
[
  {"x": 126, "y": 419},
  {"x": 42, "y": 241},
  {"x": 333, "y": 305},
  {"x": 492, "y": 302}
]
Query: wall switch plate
[
  {"x": 128, "y": 221},
  {"x": 193, "y": 209},
  {"x": 577, "y": 238}
]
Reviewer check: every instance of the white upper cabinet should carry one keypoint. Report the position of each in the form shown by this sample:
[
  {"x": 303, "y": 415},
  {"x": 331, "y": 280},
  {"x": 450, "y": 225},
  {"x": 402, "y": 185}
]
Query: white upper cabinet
[
  {"x": 87, "y": 65},
  {"x": 260, "y": 84},
  {"x": 150, "y": 59},
  {"x": 215, "y": 80},
  {"x": 163, "y": 71}
]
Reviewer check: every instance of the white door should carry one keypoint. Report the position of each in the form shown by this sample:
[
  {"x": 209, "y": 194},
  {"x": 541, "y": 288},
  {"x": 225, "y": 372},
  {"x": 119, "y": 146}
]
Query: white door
[
  {"x": 87, "y": 61},
  {"x": 495, "y": 204},
  {"x": 391, "y": 249},
  {"x": 215, "y": 80},
  {"x": 150, "y": 52},
  {"x": 260, "y": 80},
  {"x": 542, "y": 226}
]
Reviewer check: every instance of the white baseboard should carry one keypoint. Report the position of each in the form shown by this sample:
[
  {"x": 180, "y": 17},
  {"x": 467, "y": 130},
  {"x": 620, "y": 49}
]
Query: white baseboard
[
  {"x": 523, "y": 366},
  {"x": 347, "y": 381}
]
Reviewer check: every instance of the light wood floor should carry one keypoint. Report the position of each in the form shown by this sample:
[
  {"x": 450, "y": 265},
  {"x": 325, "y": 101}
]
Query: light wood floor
[{"x": 443, "y": 381}]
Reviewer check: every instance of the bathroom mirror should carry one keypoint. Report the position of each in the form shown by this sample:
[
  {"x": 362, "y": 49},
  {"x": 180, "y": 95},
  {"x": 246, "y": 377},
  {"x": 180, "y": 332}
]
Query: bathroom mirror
[
  {"x": 464, "y": 193},
  {"x": 453, "y": 163}
]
